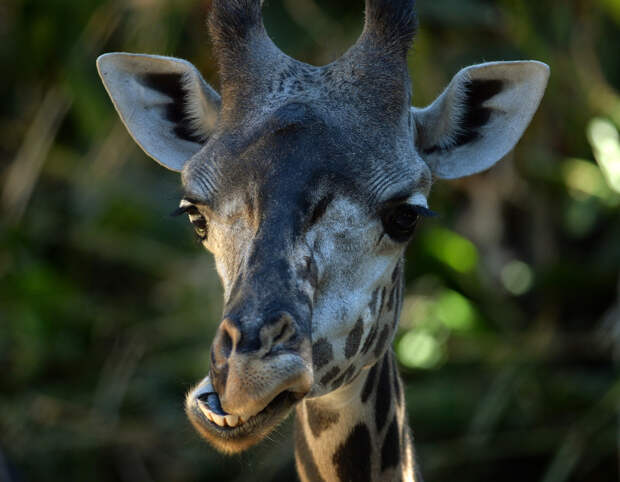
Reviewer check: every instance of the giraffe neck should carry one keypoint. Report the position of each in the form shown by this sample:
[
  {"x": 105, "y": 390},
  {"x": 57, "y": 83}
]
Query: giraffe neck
[{"x": 357, "y": 433}]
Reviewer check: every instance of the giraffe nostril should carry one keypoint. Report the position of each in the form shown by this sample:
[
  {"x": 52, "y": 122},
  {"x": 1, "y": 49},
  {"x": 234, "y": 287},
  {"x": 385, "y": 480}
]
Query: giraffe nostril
[
  {"x": 227, "y": 337},
  {"x": 281, "y": 336},
  {"x": 226, "y": 344}
]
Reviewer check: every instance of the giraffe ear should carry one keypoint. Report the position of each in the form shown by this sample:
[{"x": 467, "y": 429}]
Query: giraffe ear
[
  {"x": 480, "y": 117},
  {"x": 164, "y": 102}
]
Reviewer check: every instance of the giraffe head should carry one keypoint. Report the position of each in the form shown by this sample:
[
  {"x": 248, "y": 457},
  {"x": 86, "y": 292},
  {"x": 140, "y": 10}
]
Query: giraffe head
[{"x": 306, "y": 183}]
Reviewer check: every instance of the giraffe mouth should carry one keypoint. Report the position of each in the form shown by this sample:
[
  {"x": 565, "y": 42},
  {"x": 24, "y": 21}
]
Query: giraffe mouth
[
  {"x": 232, "y": 433},
  {"x": 211, "y": 408}
]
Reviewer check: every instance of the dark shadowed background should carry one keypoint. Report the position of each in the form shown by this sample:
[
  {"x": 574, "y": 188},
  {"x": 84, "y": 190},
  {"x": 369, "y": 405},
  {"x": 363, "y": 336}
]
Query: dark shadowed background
[{"x": 511, "y": 324}]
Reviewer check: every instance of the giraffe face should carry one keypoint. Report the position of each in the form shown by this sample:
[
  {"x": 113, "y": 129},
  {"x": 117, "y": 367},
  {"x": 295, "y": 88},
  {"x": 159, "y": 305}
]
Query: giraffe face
[
  {"x": 305, "y": 183},
  {"x": 309, "y": 251}
]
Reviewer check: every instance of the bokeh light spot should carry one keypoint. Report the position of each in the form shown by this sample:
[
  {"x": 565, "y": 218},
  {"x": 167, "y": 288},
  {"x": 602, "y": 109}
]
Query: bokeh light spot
[
  {"x": 605, "y": 141},
  {"x": 455, "y": 311},
  {"x": 419, "y": 350},
  {"x": 517, "y": 277},
  {"x": 584, "y": 179},
  {"x": 452, "y": 250}
]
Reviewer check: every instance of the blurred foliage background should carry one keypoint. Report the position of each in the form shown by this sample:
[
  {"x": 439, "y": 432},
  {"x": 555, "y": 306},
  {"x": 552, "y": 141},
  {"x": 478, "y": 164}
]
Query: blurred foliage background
[{"x": 510, "y": 334}]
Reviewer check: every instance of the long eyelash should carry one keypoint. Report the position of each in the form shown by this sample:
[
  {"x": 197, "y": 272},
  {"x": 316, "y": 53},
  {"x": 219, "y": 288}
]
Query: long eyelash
[
  {"x": 178, "y": 211},
  {"x": 425, "y": 212},
  {"x": 186, "y": 206}
]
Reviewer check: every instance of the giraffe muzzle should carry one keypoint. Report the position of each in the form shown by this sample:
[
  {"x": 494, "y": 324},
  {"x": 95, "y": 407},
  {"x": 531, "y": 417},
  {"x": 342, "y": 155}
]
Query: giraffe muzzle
[{"x": 256, "y": 377}]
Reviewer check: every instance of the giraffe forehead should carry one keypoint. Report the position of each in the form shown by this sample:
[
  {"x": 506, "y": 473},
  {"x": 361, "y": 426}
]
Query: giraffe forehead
[
  {"x": 296, "y": 145},
  {"x": 302, "y": 189}
]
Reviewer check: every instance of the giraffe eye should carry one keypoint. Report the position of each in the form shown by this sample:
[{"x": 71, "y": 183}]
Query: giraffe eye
[
  {"x": 201, "y": 228},
  {"x": 400, "y": 221}
]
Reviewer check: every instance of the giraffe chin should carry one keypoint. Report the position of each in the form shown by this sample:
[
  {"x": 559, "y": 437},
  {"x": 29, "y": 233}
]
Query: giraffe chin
[{"x": 230, "y": 440}]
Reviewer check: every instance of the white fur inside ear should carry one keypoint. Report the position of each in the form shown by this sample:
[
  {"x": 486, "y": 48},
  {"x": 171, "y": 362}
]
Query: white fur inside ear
[
  {"x": 442, "y": 137},
  {"x": 200, "y": 114},
  {"x": 445, "y": 114},
  {"x": 170, "y": 122}
]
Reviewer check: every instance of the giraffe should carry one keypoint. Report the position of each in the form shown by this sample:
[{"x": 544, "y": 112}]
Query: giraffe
[{"x": 307, "y": 183}]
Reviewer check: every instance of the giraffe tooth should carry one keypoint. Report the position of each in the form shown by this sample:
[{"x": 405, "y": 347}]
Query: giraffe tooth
[
  {"x": 232, "y": 420},
  {"x": 219, "y": 420},
  {"x": 205, "y": 411}
]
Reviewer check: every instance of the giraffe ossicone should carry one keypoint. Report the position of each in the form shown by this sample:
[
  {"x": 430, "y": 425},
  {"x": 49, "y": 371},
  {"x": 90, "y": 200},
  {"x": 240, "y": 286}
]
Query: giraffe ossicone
[{"x": 307, "y": 183}]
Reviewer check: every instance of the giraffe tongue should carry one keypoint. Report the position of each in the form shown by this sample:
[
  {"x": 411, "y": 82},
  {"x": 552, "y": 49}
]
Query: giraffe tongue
[
  {"x": 212, "y": 401},
  {"x": 210, "y": 398}
]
